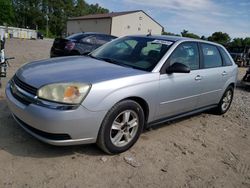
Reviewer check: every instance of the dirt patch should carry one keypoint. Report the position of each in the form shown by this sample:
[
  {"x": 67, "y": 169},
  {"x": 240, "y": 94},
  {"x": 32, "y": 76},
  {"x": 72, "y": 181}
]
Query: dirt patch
[{"x": 200, "y": 151}]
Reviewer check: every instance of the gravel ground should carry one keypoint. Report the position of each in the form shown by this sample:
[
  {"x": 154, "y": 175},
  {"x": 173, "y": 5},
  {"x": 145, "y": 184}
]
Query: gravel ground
[{"x": 200, "y": 151}]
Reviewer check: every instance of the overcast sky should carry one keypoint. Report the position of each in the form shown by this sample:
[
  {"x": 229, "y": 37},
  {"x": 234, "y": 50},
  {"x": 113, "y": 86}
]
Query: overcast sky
[{"x": 202, "y": 17}]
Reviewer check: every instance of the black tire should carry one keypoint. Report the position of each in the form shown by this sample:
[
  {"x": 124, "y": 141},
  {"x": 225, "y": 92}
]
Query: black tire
[
  {"x": 219, "y": 109},
  {"x": 104, "y": 140}
]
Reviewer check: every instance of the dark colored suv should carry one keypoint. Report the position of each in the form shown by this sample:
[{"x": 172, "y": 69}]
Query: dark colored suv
[{"x": 79, "y": 44}]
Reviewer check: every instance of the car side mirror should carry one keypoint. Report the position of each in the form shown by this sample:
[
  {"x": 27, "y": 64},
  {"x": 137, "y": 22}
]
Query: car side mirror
[{"x": 178, "y": 68}]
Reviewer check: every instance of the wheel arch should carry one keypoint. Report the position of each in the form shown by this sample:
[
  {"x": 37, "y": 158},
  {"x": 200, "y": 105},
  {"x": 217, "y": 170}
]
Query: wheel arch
[
  {"x": 231, "y": 84},
  {"x": 143, "y": 103}
]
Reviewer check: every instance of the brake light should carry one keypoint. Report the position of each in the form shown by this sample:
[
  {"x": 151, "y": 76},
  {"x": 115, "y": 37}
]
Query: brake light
[{"x": 69, "y": 45}]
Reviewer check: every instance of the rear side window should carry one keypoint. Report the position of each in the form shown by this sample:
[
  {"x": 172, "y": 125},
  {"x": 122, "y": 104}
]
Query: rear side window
[
  {"x": 211, "y": 56},
  {"x": 100, "y": 40},
  {"x": 89, "y": 40},
  {"x": 226, "y": 59}
]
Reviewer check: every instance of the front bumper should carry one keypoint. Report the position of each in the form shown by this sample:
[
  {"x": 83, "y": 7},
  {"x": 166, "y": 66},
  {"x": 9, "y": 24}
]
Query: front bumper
[{"x": 56, "y": 127}]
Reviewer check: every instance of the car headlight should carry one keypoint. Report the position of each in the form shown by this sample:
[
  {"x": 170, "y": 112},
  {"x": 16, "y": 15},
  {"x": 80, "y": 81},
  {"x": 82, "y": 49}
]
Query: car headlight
[{"x": 69, "y": 93}]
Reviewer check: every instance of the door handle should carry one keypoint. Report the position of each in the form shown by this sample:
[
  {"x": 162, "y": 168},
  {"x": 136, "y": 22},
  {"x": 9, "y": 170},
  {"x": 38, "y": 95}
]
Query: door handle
[
  {"x": 224, "y": 73},
  {"x": 198, "y": 77}
]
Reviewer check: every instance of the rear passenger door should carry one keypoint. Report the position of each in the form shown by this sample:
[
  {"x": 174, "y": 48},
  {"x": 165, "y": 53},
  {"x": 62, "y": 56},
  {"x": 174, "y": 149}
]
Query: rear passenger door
[
  {"x": 227, "y": 66},
  {"x": 211, "y": 75}
]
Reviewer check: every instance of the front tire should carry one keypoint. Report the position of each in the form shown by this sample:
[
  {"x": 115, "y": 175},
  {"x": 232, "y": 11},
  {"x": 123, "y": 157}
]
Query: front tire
[
  {"x": 121, "y": 127},
  {"x": 225, "y": 101}
]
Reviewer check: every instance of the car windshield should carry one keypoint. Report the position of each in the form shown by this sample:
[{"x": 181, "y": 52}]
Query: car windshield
[{"x": 136, "y": 52}]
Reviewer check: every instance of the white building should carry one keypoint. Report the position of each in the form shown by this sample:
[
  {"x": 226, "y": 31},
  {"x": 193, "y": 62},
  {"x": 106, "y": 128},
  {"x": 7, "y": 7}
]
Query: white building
[
  {"x": 18, "y": 32},
  {"x": 115, "y": 23}
]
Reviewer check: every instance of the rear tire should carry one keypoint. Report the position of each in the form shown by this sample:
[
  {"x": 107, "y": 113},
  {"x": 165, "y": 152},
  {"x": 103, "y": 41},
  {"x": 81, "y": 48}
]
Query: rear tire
[
  {"x": 121, "y": 127},
  {"x": 225, "y": 101}
]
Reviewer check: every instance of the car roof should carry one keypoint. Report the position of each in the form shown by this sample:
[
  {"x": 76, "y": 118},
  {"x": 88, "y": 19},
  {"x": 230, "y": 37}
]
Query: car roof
[
  {"x": 92, "y": 33},
  {"x": 161, "y": 37},
  {"x": 174, "y": 38}
]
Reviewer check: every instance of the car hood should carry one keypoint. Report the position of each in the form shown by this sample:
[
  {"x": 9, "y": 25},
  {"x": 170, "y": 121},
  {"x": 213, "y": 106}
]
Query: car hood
[{"x": 72, "y": 69}]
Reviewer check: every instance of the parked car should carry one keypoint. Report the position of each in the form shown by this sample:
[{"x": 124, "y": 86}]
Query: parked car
[
  {"x": 246, "y": 78},
  {"x": 79, "y": 44},
  {"x": 129, "y": 84}
]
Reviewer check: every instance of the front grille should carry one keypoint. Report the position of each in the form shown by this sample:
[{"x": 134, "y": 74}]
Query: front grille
[
  {"x": 21, "y": 98},
  {"x": 51, "y": 136},
  {"x": 26, "y": 95},
  {"x": 30, "y": 89},
  {"x": 25, "y": 98}
]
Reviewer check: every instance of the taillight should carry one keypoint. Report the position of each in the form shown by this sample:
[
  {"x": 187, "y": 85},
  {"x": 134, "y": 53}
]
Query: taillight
[{"x": 69, "y": 45}]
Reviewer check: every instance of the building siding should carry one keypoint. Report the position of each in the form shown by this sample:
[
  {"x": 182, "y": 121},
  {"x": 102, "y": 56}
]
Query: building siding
[
  {"x": 91, "y": 25},
  {"x": 134, "y": 23},
  {"x": 126, "y": 24}
]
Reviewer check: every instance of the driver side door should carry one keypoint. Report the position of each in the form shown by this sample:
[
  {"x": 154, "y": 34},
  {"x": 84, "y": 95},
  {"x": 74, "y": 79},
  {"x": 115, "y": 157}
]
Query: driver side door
[{"x": 179, "y": 92}]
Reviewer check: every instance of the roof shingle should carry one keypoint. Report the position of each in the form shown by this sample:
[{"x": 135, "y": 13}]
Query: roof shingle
[{"x": 107, "y": 15}]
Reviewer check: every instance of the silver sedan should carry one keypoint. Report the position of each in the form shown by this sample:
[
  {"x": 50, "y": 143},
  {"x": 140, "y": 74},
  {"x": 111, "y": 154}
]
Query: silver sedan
[{"x": 123, "y": 87}]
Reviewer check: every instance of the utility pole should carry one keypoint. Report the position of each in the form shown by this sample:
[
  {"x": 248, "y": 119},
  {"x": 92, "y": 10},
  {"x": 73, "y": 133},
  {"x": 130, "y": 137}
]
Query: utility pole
[
  {"x": 47, "y": 22},
  {"x": 47, "y": 25}
]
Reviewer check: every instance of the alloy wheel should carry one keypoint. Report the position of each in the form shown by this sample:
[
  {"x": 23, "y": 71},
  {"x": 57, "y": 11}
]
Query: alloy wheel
[
  {"x": 226, "y": 101},
  {"x": 124, "y": 128}
]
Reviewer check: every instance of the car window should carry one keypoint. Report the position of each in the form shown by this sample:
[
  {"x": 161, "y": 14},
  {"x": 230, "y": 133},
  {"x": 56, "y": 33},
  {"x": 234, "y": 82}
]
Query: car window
[
  {"x": 109, "y": 38},
  {"x": 226, "y": 59},
  {"x": 100, "y": 40},
  {"x": 186, "y": 53},
  {"x": 137, "y": 52},
  {"x": 125, "y": 48},
  {"x": 131, "y": 43},
  {"x": 89, "y": 40},
  {"x": 211, "y": 56},
  {"x": 151, "y": 47}
]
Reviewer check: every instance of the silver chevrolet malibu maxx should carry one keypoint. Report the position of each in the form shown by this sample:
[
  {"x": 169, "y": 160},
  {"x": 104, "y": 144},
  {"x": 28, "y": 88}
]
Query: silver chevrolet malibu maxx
[{"x": 111, "y": 95}]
